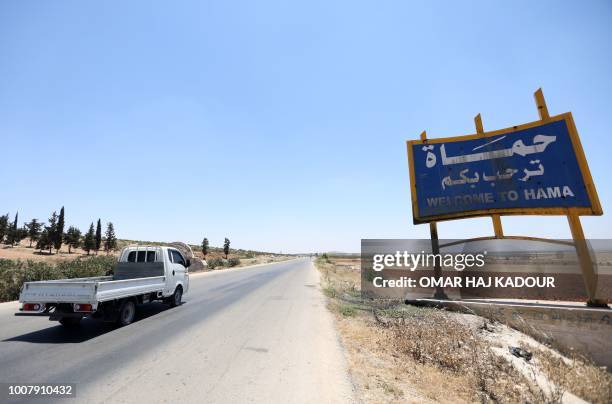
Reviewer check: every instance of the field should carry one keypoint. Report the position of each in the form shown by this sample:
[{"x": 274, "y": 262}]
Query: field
[
  {"x": 24, "y": 252},
  {"x": 400, "y": 353},
  {"x": 22, "y": 263}
]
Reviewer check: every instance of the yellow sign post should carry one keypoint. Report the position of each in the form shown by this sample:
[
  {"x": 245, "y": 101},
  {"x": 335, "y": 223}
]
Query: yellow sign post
[{"x": 437, "y": 196}]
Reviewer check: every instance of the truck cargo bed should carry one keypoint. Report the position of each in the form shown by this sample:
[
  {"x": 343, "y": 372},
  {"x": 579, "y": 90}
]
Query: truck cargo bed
[{"x": 89, "y": 290}]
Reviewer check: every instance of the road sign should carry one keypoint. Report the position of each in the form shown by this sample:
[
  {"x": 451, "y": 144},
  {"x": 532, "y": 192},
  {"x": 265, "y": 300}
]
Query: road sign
[{"x": 535, "y": 168}]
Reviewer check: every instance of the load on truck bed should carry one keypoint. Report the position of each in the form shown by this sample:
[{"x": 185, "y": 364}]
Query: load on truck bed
[{"x": 142, "y": 274}]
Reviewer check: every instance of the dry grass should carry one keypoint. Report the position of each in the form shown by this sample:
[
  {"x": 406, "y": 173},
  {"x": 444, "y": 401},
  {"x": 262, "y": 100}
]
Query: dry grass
[
  {"x": 399, "y": 353},
  {"x": 438, "y": 338},
  {"x": 578, "y": 375}
]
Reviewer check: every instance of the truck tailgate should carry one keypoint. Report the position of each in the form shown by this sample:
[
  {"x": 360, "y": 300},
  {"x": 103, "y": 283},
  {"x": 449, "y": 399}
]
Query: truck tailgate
[{"x": 58, "y": 292}]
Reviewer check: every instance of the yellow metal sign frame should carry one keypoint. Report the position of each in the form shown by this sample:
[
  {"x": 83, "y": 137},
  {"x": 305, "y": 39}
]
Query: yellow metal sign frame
[
  {"x": 572, "y": 213},
  {"x": 594, "y": 209}
]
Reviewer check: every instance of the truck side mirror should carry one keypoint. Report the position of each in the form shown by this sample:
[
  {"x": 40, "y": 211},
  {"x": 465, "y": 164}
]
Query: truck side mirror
[{"x": 188, "y": 264}]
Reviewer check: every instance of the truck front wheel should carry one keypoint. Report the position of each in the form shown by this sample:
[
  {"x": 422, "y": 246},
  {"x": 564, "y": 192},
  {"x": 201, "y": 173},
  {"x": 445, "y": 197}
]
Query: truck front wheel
[
  {"x": 127, "y": 312},
  {"x": 177, "y": 297}
]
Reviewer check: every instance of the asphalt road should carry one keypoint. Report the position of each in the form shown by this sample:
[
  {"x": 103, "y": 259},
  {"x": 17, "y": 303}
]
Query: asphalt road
[{"x": 258, "y": 334}]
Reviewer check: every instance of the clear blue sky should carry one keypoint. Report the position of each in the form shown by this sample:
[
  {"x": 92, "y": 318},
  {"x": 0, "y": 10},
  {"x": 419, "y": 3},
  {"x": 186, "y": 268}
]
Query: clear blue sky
[{"x": 281, "y": 125}]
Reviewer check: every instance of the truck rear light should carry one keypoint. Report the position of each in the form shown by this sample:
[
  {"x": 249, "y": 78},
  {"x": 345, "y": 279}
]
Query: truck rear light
[
  {"x": 33, "y": 307},
  {"x": 82, "y": 307}
]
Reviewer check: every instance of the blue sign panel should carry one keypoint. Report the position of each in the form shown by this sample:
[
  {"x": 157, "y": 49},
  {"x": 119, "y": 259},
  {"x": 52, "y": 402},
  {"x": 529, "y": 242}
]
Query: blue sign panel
[{"x": 535, "y": 167}]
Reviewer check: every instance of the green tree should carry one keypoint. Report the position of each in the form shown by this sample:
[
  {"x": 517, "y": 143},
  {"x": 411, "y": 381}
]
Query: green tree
[
  {"x": 89, "y": 242},
  {"x": 205, "y": 247},
  {"x": 34, "y": 229},
  {"x": 226, "y": 247},
  {"x": 58, "y": 234},
  {"x": 44, "y": 240},
  {"x": 51, "y": 230},
  {"x": 73, "y": 238},
  {"x": 12, "y": 236},
  {"x": 4, "y": 223},
  {"x": 110, "y": 243},
  {"x": 98, "y": 238}
]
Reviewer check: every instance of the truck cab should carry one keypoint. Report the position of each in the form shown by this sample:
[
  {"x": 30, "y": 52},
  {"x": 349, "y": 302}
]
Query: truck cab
[{"x": 176, "y": 266}]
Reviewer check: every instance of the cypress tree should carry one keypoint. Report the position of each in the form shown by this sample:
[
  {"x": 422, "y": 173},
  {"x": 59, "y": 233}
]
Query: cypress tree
[
  {"x": 51, "y": 230},
  {"x": 59, "y": 231},
  {"x": 89, "y": 243},
  {"x": 12, "y": 236},
  {"x": 98, "y": 239}
]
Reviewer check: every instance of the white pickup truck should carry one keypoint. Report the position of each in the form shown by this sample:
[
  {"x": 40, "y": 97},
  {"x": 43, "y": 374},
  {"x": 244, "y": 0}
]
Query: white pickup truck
[{"x": 142, "y": 274}]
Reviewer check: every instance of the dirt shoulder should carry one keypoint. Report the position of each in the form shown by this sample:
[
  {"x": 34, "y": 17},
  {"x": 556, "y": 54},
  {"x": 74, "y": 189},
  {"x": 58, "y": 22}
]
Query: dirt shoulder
[{"x": 399, "y": 353}]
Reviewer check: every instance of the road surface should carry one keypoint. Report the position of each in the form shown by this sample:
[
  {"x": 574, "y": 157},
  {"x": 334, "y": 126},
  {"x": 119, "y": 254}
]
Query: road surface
[{"x": 260, "y": 334}]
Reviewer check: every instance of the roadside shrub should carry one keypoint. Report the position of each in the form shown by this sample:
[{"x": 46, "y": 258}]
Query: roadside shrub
[
  {"x": 347, "y": 310},
  {"x": 93, "y": 266},
  {"x": 249, "y": 255},
  {"x": 14, "y": 273},
  {"x": 330, "y": 291},
  {"x": 214, "y": 263},
  {"x": 232, "y": 262}
]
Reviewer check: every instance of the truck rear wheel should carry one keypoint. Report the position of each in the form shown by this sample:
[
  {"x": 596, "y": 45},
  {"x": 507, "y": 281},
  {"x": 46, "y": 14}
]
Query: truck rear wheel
[
  {"x": 127, "y": 312},
  {"x": 70, "y": 321}
]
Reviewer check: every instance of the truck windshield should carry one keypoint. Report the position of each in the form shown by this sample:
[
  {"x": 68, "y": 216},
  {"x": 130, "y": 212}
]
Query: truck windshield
[{"x": 177, "y": 258}]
